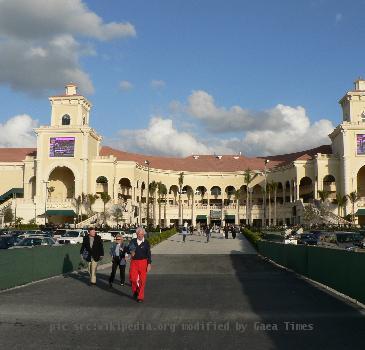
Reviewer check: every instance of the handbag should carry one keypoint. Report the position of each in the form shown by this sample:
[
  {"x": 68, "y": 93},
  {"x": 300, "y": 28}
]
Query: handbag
[{"x": 85, "y": 255}]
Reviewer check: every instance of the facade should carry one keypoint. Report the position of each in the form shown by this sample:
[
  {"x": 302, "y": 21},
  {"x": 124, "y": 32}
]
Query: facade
[{"x": 69, "y": 162}]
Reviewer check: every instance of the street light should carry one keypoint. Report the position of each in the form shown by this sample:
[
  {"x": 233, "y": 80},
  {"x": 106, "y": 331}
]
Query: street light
[
  {"x": 147, "y": 162},
  {"x": 45, "y": 203},
  {"x": 266, "y": 161}
]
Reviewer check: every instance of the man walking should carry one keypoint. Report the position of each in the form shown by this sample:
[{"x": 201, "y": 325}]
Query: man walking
[
  {"x": 208, "y": 232},
  {"x": 140, "y": 251},
  {"x": 118, "y": 251},
  {"x": 92, "y": 251}
]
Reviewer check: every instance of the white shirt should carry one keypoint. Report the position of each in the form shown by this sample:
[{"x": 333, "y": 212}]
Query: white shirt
[
  {"x": 117, "y": 248},
  {"x": 140, "y": 241}
]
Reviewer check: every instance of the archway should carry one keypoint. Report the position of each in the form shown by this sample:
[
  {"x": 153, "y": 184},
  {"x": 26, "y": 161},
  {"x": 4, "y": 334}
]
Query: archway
[
  {"x": 61, "y": 183},
  {"x": 329, "y": 185},
  {"x": 306, "y": 189},
  {"x": 201, "y": 192},
  {"x": 230, "y": 192},
  {"x": 101, "y": 185},
  {"x": 361, "y": 182},
  {"x": 125, "y": 189}
]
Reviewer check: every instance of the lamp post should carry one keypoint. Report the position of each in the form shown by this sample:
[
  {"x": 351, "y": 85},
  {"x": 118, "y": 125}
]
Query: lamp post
[
  {"x": 35, "y": 213},
  {"x": 45, "y": 202},
  {"x": 147, "y": 162},
  {"x": 14, "y": 198},
  {"x": 266, "y": 161}
]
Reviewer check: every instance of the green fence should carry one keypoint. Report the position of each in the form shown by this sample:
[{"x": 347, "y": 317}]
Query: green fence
[
  {"x": 20, "y": 266},
  {"x": 341, "y": 270}
]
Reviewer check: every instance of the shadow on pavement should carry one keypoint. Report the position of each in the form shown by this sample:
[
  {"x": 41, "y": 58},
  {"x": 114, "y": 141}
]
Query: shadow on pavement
[{"x": 291, "y": 312}]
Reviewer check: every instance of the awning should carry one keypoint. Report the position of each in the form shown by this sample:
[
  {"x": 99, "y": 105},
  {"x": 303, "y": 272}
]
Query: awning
[
  {"x": 60, "y": 212},
  {"x": 201, "y": 217},
  {"x": 360, "y": 212},
  {"x": 11, "y": 193},
  {"x": 230, "y": 217}
]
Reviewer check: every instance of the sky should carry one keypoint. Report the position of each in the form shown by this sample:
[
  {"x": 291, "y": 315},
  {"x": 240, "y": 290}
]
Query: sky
[{"x": 182, "y": 77}]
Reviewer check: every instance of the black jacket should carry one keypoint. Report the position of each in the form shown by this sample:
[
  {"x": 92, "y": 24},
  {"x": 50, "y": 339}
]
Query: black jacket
[
  {"x": 96, "y": 251},
  {"x": 142, "y": 251}
]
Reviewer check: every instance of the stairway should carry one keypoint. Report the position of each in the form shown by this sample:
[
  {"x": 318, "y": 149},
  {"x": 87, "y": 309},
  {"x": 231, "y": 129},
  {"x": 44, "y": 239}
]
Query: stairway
[{"x": 91, "y": 220}]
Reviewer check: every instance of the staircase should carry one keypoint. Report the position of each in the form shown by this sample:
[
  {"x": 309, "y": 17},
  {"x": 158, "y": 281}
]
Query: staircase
[
  {"x": 328, "y": 217},
  {"x": 6, "y": 204},
  {"x": 88, "y": 221}
]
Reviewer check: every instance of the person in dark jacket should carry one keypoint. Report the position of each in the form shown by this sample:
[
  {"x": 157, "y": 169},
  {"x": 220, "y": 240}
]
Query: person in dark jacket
[
  {"x": 118, "y": 251},
  {"x": 140, "y": 251},
  {"x": 92, "y": 250}
]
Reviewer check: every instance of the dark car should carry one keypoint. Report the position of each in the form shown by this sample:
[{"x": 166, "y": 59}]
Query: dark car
[
  {"x": 7, "y": 241},
  {"x": 307, "y": 239}
]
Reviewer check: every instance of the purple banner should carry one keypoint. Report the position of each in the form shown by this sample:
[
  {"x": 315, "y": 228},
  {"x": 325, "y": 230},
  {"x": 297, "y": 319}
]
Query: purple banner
[{"x": 61, "y": 147}]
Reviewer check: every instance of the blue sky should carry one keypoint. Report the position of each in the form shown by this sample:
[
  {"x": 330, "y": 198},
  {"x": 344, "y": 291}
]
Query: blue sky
[{"x": 199, "y": 76}]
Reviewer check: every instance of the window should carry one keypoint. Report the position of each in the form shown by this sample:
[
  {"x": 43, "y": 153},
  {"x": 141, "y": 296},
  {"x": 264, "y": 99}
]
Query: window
[{"x": 66, "y": 120}]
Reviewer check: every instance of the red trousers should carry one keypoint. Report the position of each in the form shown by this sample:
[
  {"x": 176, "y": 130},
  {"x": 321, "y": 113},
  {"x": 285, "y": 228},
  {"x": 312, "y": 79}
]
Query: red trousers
[{"x": 138, "y": 276}]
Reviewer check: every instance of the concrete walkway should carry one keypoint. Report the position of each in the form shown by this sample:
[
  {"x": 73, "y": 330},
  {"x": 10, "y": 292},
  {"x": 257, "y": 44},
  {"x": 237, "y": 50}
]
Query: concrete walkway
[{"x": 197, "y": 244}]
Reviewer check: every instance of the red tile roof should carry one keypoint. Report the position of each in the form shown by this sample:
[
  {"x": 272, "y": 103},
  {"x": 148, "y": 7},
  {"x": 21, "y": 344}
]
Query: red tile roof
[
  {"x": 16, "y": 154},
  {"x": 202, "y": 163}
]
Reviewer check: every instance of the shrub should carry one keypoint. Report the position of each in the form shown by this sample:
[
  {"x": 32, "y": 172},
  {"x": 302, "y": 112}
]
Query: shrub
[
  {"x": 159, "y": 237},
  {"x": 253, "y": 237}
]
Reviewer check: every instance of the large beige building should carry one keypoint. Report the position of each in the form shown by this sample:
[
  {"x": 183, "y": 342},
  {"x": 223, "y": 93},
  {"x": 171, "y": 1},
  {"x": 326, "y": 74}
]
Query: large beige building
[{"x": 69, "y": 161}]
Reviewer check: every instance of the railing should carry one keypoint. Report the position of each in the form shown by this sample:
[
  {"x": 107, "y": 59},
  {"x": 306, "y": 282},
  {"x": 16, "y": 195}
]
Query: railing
[
  {"x": 6, "y": 204},
  {"x": 88, "y": 221},
  {"x": 60, "y": 203}
]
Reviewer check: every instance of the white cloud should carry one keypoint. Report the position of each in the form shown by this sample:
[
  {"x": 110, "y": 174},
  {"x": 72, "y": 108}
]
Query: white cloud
[
  {"x": 18, "y": 132},
  {"x": 157, "y": 84},
  {"x": 125, "y": 85},
  {"x": 39, "y": 50},
  {"x": 161, "y": 137}
]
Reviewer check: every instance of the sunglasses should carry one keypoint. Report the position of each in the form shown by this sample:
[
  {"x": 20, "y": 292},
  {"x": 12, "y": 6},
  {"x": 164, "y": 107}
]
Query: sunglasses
[{"x": 118, "y": 239}]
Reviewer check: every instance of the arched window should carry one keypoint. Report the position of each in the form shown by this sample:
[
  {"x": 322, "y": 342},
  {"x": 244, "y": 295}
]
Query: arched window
[{"x": 66, "y": 120}]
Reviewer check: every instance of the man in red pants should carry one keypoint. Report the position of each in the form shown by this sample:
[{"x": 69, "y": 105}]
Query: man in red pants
[{"x": 140, "y": 251}]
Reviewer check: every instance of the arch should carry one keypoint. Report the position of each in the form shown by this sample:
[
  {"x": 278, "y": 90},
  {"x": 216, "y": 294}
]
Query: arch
[
  {"x": 101, "y": 184},
  {"x": 257, "y": 194},
  {"x": 361, "y": 182},
  {"x": 61, "y": 183},
  {"x": 280, "y": 193},
  {"x": 215, "y": 191},
  {"x": 32, "y": 186},
  {"x": 306, "y": 189},
  {"x": 125, "y": 188},
  {"x": 329, "y": 185},
  {"x": 230, "y": 190},
  {"x": 66, "y": 120},
  {"x": 174, "y": 189}
]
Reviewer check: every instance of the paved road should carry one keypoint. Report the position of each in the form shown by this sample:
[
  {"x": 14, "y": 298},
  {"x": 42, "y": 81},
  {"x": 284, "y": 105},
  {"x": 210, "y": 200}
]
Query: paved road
[{"x": 208, "y": 301}]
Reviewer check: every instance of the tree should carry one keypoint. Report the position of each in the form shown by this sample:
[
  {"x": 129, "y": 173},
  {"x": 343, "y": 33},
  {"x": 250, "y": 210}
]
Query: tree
[
  {"x": 311, "y": 215},
  {"x": 161, "y": 192},
  {"x": 8, "y": 215},
  {"x": 91, "y": 199},
  {"x": 117, "y": 211},
  {"x": 78, "y": 202},
  {"x": 18, "y": 221},
  {"x": 341, "y": 202},
  {"x": 105, "y": 197},
  {"x": 248, "y": 177},
  {"x": 190, "y": 194},
  {"x": 152, "y": 192},
  {"x": 238, "y": 194},
  {"x": 181, "y": 183},
  {"x": 32, "y": 221},
  {"x": 353, "y": 198},
  {"x": 323, "y": 195}
]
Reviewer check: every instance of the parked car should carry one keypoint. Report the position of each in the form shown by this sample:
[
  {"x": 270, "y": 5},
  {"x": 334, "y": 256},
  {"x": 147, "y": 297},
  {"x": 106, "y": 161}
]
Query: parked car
[
  {"x": 72, "y": 236},
  {"x": 59, "y": 233},
  {"x": 8, "y": 241},
  {"x": 105, "y": 236},
  {"x": 341, "y": 240},
  {"x": 29, "y": 242},
  {"x": 307, "y": 239},
  {"x": 131, "y": 233}
]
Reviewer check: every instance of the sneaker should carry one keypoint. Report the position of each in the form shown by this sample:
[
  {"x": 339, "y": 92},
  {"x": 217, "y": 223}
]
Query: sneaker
[
  {"x": 139, "y": 301},
  {"x": 122, "y": 284}
]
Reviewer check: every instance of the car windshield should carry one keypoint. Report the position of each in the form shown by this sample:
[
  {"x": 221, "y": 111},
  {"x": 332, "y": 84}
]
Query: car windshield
[
  {"x": 345, "y": 237},
  {"x": 60, "y": 232},
  {"x": 71, "y": 234},
  {"x": 28, "y": 242}
]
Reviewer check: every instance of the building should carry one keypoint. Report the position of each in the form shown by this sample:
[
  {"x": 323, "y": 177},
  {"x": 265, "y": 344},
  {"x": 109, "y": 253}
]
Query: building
[{"x": 47, "y": 182}]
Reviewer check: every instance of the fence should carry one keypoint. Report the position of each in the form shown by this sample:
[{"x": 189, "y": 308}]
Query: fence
[
  {"x": 341, "y": 270},
  {"x": 20, "y": 266}
]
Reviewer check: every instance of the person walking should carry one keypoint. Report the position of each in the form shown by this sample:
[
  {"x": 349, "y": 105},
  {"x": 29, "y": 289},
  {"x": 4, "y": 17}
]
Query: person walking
[
  {"x": 140, "y": 251},
  {"x": 226, "y": 230},
  {"x": 184, "y": 233},
  {"x": 234, "y": 231},
  {"x": 208, "y": 232},
  {"x": 118, "y": 252},
  {"x": 92, "y": 250}
]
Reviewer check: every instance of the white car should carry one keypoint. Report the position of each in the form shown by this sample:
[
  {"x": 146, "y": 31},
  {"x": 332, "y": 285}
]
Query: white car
[
  {"x": 72, "y": 236},
  {"x": 106, "y": 236},
  {"x": 29, "y": 242}
]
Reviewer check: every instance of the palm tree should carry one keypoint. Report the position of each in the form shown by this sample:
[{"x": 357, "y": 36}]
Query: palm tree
[
  {"x": 91, "y": 198},
  {"x": 161, "y": 192},
  {"x": 78, "y": 206},
  {"x": 105, "y": 197},
  {"x": 181, "y": 183},
  {"x": 353, "y": 197},
  {"x": 274, "y": 186},
  {"x": 323, "y": 195},
  {"x": 238, "y": 196},
  {"x": 152, "y": 192},
  {"x": 341, "y": 202},
  {"x": 190, "y": 194},
  {"x": 248, "y": 177}
]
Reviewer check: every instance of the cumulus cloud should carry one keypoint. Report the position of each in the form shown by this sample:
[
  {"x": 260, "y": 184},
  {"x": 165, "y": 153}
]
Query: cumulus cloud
[
  {"x": 18, "y": 132},
  {"x": 125, "y": 85},
  {"x": 39, "y": 46},
  {"x": 161, "y": 137},
  {"x": 157, "y": 84}
]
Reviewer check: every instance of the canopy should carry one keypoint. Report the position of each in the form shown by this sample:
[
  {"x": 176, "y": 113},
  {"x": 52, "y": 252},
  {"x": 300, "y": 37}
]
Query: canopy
[
  {"x": 60, "y": 212},
  {"x": 11, "y": 193},
  {"x": 230, "y": 217},
  {"x": 360, "y": 212},
  {"x": 201, "y": 217}
]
